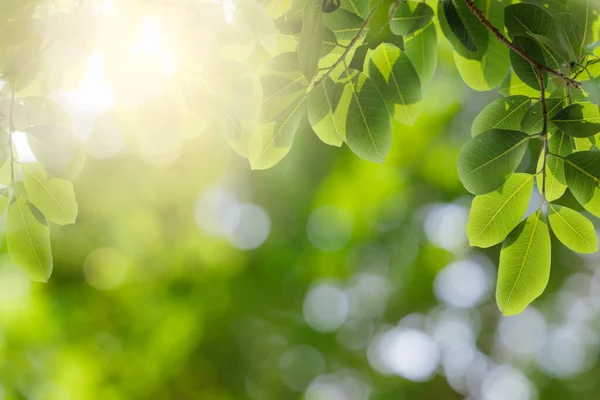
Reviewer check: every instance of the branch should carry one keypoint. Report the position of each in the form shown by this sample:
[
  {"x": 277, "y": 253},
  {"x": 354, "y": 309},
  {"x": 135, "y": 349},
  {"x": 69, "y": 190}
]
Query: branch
[
  {"x": 347, "y": 49},
  {"x": 477, "y": 12},
  {"x": 544, "y": 134}
]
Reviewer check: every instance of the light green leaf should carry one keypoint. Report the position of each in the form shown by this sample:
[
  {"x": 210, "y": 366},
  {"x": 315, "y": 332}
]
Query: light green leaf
[
  {"x": 585, "y": 13},
  {"x": 311, "y": 38},
  {"x": 409, "y": 17},
  {"x": 487, "y": 161},
  {"x": 513, "y": 85},
  {"x": 421, "y": 49},
  {"x": 344, "y": 24},
  {"x": 524, "y": 268},
  {"x": 494, "y": 215},
  {"x": 592, "y": 87},
  {"x": 582, "y": 174},
  {"x": 533, "y": 120},
  {"x": 504, "y": 113},
  {"x": 573, "y": 229},
  {"x": 579, "y": 120},
  {"x": 394, "y": 76},
  {"x": 28, "y": 240},
  {"x": 323, "y": 109},
  {"x": 367, "y": 124},
  {"x": 522, "y": 67},
  {"x": 54, "y": 197},
  {"x": 558, "y": 143},
  {"x": 358, "y": 7},
  {"x": 55, "y": 147}
]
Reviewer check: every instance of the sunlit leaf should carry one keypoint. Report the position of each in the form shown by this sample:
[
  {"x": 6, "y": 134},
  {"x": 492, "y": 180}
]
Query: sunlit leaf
[
  {"x": 397, "y": 81},
  {"x": 28, "y": 240},
  {"x": 496, "y": 214},
  {"x": 421, "y": 49},
  {"x": 573, "y": 229},
  {"x": 358, "y": 7},
  {"x": 533, "y": 120},
  {"x": 582, "y": 174},
  {"x": 522, "y": 67},
  {"x": 54, "y": 197},
  {"x": 409, "y": 17},
  {"x": 344, "y": 24},
  {"x": 57, "y": 149},
  {"x": 323, "y": 109},
  {"x": 311, "y": 38},
  {"x": 579, "y": 120},
  {"x": 592, "y": 87},
  {"x": 487, "y": 161},
  {"x": 504, "y": 113},
  {"x": 524, "y": 267}
]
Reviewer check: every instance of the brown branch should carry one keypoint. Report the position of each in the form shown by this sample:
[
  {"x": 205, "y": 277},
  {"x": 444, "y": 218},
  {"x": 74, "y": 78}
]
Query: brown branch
[{"x": 477, "y": 12}]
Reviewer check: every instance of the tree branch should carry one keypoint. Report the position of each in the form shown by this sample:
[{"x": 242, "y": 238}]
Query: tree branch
[{"x": 477, "y": 12}]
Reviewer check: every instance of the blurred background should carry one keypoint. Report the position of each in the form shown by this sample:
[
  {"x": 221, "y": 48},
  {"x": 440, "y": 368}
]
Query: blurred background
[{"x": 189, "y": 276}]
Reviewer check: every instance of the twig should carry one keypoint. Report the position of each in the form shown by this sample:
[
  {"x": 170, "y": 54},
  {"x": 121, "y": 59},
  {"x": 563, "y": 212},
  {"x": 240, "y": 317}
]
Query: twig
[
  {"x": 349, "y": 47},
  {"x": 477, "y": 12}
]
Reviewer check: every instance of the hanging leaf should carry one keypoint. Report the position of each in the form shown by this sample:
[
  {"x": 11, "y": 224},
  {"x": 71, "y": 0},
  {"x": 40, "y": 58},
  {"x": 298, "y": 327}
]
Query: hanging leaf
[
  {"x": 494, "y": 215},
  {"x": 421, "y": 49},
  {"x": 573, "y": 229},
  {"x": 558, "y": 143},
  {"x": 463, "y": 30},
  {"x": 54, "y": 197},
  {"x": 504, "y": 113},
  {"x": 311, "y": 38},
  {"x": 55, "y": 147},
  {"x": 367, "y": 126},
  {"x": 487, "y": 161},
  {"x": 579, "y": 120},
  {"x": 394, "y": 76},
  {"x": 524, "y": 267},
  {"x": 323, "y": 112},
  {"x": 409, "y": 17},
  {"x": 28, "y": 240},
  {"x": 522, "y": 67},
  {"x": 533, "y": 120},
  {"x": 582, "y": 174}
]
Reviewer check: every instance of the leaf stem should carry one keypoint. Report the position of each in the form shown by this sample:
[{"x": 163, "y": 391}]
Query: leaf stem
[
  {"x": 477, "y": 12},
  {"x": 329, "y": 70}
]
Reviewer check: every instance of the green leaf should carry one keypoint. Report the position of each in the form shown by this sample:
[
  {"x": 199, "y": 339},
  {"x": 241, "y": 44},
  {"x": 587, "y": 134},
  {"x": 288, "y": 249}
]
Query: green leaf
[
  {"x": 487, "y": 161},
  {"x": 533, "y": 121},
  {"x": 463, "y": 30},
  {"x": 585, "y": 13},
  {"x": 394, "y": 76},
  {"x": 367, "y": 125},
  {"x": 54, "y": 197},
  {"x": 28, "y": 240},
  {"x": 4, "y": 148},
  {"x": 552, "y": 6},
  {"x": 582, "y": 174},
  {"x": 358, "y": 7},
  {"x": 579, "y": 120},
  {"x": 55, "y": 147},
  {"x": 421, "y": 49},
  {"x": 523, "y": 19},
  {"x": 344, "y": 24},
  {"x": 323, "y": 112},
  {"x": 409, "y": 17},
  {"x": 504, "y": 113},
  {"x": 522, "y": 67},
  {"x": 311, "y": 38},
  {"x": 513, "y": 85},
  {"x": 524, "y": 268},
  {"x": 558, "y": 143},
  {"x": 494, "y": 215},
  {"x": 592, "y": 87},
  {"x": 573, "y": 229}
]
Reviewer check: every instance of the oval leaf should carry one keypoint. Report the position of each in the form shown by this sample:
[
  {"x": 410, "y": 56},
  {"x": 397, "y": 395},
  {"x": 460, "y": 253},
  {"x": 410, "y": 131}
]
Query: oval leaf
[
  {"x": 494, "y": 215},
  {"x": 28, "y": 240},
  {"x": 524, "y": 267},
  {"x": 487, "y": 161},
  {"x": 311, "y": 38},
  {"x": 409, "y": 17},
  {"x": 504, "y": 113},
  {"x": 522, "y": 67},
  {"x": 582, "y": 174},
  {"x": 573, "y": 229},
  {"x": 579, "y": 120}
]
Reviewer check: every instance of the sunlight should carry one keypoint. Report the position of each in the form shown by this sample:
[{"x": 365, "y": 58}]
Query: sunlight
[
  {"x": 93, "y": 95},
  {"x": 151, "y": 44},
  {"x": 104, "y": 6}
]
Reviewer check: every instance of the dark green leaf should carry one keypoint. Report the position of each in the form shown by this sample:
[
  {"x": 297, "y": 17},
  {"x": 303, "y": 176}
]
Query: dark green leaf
[
  {"x": 579, "y": 120},
  {"x": 582, "y": 174},
  {"x": 522, "y": 67}
]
